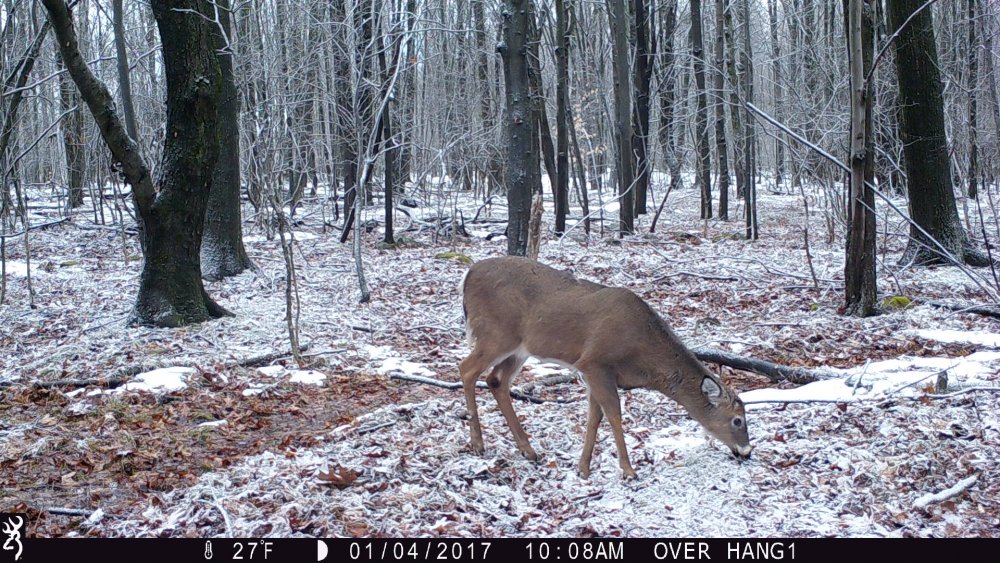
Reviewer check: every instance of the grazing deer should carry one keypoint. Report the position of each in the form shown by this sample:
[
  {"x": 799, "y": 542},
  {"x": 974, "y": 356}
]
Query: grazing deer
[{"x": 516, "y": 307}]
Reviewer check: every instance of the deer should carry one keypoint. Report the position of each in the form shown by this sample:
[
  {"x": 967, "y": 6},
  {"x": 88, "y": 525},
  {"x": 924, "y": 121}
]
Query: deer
[{"x": 516, "y": 307}]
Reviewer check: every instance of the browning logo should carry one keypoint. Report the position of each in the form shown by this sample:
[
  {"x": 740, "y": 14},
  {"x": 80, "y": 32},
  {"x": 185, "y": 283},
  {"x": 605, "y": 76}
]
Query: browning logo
[{"x": 11, "y": 526}]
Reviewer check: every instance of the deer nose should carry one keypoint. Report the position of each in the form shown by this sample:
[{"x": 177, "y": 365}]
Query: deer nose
[{"x": 743, "y": 452}]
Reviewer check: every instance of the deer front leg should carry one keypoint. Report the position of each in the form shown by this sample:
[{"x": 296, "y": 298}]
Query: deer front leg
[
  {"x": 499, "y": 383},
  {"x": 594, "y": 417},
  {"x": 604, "y": 390}
]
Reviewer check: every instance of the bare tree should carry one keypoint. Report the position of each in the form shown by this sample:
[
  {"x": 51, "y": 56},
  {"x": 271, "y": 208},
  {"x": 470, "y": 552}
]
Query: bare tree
[
  {"x": 522, "y": 173},
  {"x": 703, "y": 155},
  {"x": 171, "y": 207},
  {"x": 928, "y": 165},
  {"x": 859, "y": 270}
]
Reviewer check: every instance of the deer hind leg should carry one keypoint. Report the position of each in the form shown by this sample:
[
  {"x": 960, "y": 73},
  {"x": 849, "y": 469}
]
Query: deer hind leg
[
  {"x": 604, "y": 390},
  {"x": 499, "y": 382},
  {"x": 469, "y": 369},
  {"x": 594, "y": 417}
]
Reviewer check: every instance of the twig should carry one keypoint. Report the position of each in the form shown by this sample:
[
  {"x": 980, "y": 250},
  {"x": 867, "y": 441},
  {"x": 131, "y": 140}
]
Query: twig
[
  {"x": 374, "y": 427},
  {"x": 864, "y": 370},
  {"x": 68, "y": 511},
  {"x": 34, "y": 228},
  {"x": 792, "y": 401},
  {"x": 946, "y": 494},
  {"x": 964, "y": 391},
  {"x": 454, "y": 385}
]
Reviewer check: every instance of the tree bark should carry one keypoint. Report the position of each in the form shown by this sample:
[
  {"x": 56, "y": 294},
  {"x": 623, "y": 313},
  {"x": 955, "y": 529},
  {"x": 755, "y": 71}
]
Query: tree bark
[
  {"x": 74, "y": 138},
  {"x": 859, "y": 270},
  {"x": 222, "y": 250},
  {"x": 522, "y": 172},
  {"x": 720, "y": 109},
  {"x": 973, "y": 91},
  {"x": 779, "y": 147},
  {"x": 925, "y": 147},
  {"x": 171, "y": 211},
  {"x": 702, "y": 153},
  {"x": 644, "y": 52},
  {"x": 124, "y": 76},
  {"x": 623, "y": 116},
  {"x": 562, "y": 117}
]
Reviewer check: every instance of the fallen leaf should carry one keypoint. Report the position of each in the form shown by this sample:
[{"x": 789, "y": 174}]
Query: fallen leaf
[{"x": 338, "y": 476}]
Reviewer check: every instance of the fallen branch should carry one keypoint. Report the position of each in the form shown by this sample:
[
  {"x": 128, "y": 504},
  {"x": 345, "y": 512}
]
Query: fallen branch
[
  {"x": 946, "y": 494},
  {"x": 34, "y": 228},
  {"x": 68, "y": 511},
  {"x": 123, "y": 375},
  {"x": 556, "y": 379},
  {"x": 454, "y": 385},
  {"x": 964, "y": 391},
  {"x": 775, "y": 372},
  {"x": 985, "y": 310}
]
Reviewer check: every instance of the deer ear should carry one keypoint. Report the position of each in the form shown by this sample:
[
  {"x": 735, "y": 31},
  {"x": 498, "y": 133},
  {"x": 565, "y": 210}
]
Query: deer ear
[{"x": 711, "y": 389}]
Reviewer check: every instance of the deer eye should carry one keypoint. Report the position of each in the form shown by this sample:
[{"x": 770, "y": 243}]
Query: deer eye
[{"x": 737, "y": 422}]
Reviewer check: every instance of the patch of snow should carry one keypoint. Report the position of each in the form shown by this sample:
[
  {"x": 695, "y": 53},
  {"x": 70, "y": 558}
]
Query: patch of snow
[
  {"x": 307, "y": 377},
  {"x": 163, "y": 380},
  {"x": 299, "y": 236},
  {"x": 405, "y": 366},
  {"x": 19, "y": 269},
  {"x": 980, "y": 338},
  {"x": 213, "y": 424}
]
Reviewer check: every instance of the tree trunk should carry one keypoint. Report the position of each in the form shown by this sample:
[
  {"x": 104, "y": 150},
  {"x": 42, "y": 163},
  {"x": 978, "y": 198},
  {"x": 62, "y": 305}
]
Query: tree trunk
[
  {"x": 720, "y": 109},
  {"x": 222, "y": 250},
  {"x": 623, "y": 116},
  {"x": 703, "y": 154},
  {"x": 522, "y": 173},
  {"x": 172, "y": 213},
  {"x": 779, "y": 147},
  {"x": 925, "y": 147},
  {"x": 124, "y": 79},
  {"x": 749, "y": 140},
  {"x": 562, "y": 117},
  {"x": 644, "y": 51},
  {"x": 859, "y": 270},
  {"x": 973, "y": 91},
  {"x": 74, "y": 138}
]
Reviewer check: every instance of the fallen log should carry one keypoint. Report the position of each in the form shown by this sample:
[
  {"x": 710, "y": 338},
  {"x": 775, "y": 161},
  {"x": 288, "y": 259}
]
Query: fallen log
[
  {"x": 985, "y": 310},
  {"x": 776, "y": 372},
  {"x": 123, "y": 375}
]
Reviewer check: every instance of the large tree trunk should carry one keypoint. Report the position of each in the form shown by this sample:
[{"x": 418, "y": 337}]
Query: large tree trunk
[
  {"x": 171, "y": 211},
  {"x": 703, "y": 155},
  {"x": 222, "y": 251},
  {"x": 859, "y": 269},
  {"x": 522, "y": 173},
  {"x": 925, "y": 147}
]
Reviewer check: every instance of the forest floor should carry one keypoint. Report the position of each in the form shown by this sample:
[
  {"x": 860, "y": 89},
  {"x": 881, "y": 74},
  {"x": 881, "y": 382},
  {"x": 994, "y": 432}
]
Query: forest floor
[{"x": 342, "y": 449}]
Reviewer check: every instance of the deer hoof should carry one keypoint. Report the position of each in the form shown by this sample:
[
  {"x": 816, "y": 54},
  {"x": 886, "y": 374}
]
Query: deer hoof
[
  {"x": 530, "y": 453},
  {"x": 584, "y": 472},
  {"x": 477, "y": 447},
  {"x": 628, "y": 474}
]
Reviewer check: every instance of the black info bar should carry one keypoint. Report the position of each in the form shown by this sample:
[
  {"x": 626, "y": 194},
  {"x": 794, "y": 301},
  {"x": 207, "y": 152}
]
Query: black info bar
[{"x": 500, "y": 550}]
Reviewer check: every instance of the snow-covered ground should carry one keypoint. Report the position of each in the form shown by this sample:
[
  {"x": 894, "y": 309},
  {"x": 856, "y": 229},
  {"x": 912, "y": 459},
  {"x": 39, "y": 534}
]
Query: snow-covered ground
[{"x": 846, "y": 456}]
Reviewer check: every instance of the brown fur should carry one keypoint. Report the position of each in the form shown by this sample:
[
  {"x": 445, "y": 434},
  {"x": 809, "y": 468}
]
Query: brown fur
[{"x": 516, "y": 307}]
